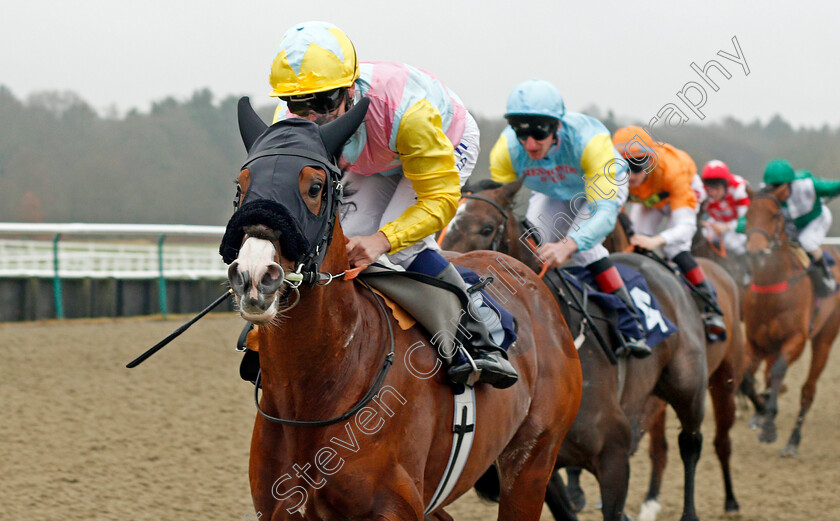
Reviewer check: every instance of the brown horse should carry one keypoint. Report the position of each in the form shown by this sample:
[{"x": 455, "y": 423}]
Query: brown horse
[
  {"x": 726, "y": 363},
  {"x": 326, "y": 343},
  {"x": 781, "y": 313},
  {"x": 612, "y": 409}
]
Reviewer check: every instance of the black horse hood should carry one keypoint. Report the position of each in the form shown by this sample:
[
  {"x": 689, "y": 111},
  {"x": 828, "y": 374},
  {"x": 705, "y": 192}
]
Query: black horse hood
[{"x": 276, "y": 156}]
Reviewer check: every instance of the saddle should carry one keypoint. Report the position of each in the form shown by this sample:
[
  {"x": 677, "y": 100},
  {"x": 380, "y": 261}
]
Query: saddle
[{"x": 437, "y": 305}]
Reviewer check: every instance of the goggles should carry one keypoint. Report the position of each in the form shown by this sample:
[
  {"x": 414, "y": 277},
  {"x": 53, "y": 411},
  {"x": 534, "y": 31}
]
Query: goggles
[
  {"x": 637, "y": 165},
  {"x": 319, "y": 102},
  {"x": 537, "y": 127}
]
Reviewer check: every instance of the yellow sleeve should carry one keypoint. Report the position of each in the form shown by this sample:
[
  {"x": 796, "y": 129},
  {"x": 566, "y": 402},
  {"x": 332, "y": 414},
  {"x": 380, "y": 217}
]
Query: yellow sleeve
[
  {"x": 428, "y": 161},
  {"x": 501, "y": 169},
  {"x": 599, "y": 174}
]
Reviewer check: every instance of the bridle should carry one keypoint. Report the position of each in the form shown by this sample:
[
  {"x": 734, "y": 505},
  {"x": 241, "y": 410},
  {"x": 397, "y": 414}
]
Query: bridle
[
  {"x": 498, "y": 235},
  {"x": 774, "y": 239},
  {"x": 306, "y": 271}
]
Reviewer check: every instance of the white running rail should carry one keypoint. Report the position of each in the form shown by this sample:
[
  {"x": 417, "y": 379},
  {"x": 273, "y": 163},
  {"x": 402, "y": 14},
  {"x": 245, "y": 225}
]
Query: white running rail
[{"x": 122, "y": 251}]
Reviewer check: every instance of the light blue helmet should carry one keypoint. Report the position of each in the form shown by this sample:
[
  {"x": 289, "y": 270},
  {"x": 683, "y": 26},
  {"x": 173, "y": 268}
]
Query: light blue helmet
[{"x": 535, "y": 98}]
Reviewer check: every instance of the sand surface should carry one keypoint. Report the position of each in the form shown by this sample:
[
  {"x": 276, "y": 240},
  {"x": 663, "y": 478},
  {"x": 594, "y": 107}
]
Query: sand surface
[{"x": 83, "y": 438}]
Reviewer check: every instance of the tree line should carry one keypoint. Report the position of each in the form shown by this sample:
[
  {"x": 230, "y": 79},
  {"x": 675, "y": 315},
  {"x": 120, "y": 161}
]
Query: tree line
[{"x": 60, "y": 161}]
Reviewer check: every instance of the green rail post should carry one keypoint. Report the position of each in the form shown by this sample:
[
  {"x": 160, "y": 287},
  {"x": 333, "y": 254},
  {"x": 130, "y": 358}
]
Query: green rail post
[
  {"x": 161, "y": 278},
  {"x": 59, "y": 301}
]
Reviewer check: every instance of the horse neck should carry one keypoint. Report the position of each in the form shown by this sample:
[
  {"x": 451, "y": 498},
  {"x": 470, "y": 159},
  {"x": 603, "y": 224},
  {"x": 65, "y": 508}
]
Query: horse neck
[
  {"x": 778, "y": 267},
  {"x": 319, "y": 352}
]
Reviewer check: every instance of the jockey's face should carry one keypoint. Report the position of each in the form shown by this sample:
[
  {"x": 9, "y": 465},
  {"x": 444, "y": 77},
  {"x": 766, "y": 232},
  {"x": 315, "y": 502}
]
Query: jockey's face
[
  {"x": 636, "y": 179},
  {"x": 536, "y": 134},
  {"x": 321, "y": 117},
  {"x": 716, "y": 192},
  {"x": 537, "y": 149}
]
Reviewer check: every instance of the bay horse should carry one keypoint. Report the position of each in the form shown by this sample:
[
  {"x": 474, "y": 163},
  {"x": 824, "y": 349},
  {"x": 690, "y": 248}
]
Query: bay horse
[
  {"x": 612, "y": 410},
  {"x": 726, "y": 363},
  {"x": 326, "y": 343},
  {"x": 781, "y": 313}
]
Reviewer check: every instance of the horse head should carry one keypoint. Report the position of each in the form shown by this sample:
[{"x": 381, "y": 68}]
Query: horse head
[
  {"x": 288, "y": 193},
  {"x": 480, "y": 222},
  {"x": 765, "y": 225}
]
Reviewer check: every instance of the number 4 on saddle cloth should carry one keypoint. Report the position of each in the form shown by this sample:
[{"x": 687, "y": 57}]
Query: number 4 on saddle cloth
[{"x": 656, "y": 325}]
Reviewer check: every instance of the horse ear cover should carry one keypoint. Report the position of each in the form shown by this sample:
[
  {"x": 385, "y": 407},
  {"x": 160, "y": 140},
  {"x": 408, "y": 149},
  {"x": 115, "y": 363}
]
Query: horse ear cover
[
  {"x": 336, "y": 133},
  {"x": 250, "y": 124},
  {"x": 268, "y": 212}
]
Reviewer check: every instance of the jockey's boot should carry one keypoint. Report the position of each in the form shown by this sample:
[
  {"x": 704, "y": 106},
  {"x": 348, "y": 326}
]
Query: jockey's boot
[
  {"x": 484, "y": 333},
  {"x": 609, "y": 281},
  {"x": 250, "y": 365},
  {"x": 704, "y": 296},
  {"x": 822, "y": 278}
]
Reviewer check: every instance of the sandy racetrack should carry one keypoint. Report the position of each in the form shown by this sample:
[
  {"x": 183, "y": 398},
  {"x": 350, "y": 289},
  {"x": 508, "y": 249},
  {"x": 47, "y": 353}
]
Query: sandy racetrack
[{"x": 83, "y": 438}]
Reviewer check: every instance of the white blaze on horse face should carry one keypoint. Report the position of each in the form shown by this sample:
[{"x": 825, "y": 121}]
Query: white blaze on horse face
[{"x": 255, "y": 265}]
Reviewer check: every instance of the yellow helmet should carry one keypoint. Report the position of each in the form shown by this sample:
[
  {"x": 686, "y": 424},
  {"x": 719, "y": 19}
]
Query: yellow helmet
[{"x": 313, "y": 57}]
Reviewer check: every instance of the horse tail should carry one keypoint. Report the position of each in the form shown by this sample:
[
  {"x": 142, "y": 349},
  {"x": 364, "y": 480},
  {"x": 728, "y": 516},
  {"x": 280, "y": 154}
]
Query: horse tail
[{"x": 487, "y": 487}]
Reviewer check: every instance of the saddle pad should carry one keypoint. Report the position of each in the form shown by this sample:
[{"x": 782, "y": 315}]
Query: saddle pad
[
  {"x": 656, "y": 324},
  {"x": 402, "y": 317}
]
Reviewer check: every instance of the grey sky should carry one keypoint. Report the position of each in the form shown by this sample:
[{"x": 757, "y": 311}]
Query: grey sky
[{"x": 630, "y": 56}]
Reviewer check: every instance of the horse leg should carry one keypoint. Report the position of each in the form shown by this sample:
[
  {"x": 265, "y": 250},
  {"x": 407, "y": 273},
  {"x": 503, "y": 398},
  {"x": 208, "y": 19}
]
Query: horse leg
[
  {"x": 748, "y": 389},
  {"x": 691, "y": 442},
  {"x": 790, "y": 351},
  {"x": 820, "y": 346},
  {"x": 689, "y": 402},
  {"x": 576, "y": 493},
  {"x": 748, "y": 386},
  {"x": 612, "y": 467},
  {"x": 558, "y": 500},
  {"x": 722, "y": 389},
  {"x": 767, "y": 434},
  {"x": 524, "y": 471},
  {"x": 659, "y": 458}
]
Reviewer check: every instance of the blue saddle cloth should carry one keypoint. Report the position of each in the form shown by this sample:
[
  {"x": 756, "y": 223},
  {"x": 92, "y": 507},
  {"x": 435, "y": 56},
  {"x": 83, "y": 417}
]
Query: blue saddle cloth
[{"x": 656, "y": 324}]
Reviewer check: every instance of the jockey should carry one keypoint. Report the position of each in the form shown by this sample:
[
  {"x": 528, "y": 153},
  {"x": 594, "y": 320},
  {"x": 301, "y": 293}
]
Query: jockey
[
  {"x": 570, "y": 165},
  {"x": 802, "y": 203},
  {"x": 728, "y": 201},
  {"x": 404, "y": 166},
  {"x": 664, "y": 183}
]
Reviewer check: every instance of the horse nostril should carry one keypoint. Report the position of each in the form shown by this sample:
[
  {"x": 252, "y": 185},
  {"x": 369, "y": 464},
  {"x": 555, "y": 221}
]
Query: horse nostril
[
  {"x": 239, "y": 281},
  {"x": 272, "y": 280}
]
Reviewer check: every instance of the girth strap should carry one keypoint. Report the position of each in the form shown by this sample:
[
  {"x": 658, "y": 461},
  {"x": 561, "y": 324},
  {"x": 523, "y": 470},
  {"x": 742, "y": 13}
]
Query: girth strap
[{"x": 464, "y": 430}]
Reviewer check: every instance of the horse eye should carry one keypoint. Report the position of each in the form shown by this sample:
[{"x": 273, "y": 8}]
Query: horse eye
[
  {"x": 315, "y": 189},
  {"x": 487, "y": 230}
]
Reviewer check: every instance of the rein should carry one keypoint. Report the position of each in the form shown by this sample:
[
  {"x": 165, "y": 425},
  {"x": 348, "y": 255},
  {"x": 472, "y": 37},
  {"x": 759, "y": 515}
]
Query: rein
[{"x": 372, "y": 391}]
